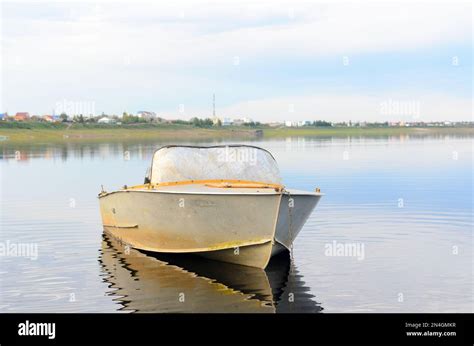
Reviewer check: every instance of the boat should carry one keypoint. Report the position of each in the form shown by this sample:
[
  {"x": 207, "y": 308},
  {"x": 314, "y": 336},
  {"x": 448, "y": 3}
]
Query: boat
[{"x": 225, "y": 203}]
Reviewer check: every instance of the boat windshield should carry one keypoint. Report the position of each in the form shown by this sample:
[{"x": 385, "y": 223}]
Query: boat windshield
[{"x": 184, "y": 163}]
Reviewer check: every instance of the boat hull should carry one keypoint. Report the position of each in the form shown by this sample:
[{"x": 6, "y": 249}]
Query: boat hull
[
  {"x": 239, "y": 228},
  {"x": 235, "y": 228},
  {"x": 295, "y": 209}
]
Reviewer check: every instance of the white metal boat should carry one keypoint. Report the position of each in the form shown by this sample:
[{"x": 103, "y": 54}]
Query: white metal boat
[{"x": 222, "y": 202}]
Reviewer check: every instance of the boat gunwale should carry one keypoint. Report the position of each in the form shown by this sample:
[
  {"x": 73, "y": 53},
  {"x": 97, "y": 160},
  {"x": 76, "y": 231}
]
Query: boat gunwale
[
  {"x": 223, "y": 193},
  {"x": 236, "y": 191}
]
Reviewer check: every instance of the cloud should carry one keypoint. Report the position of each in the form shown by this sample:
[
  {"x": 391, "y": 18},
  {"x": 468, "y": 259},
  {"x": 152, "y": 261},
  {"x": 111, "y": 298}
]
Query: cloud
[
  {"x": 120, "y": 48},
  {"x": 185, "y": 34},
  {"x": 345, "y": 107}
]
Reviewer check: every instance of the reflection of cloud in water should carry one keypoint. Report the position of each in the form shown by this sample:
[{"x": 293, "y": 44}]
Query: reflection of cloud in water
[{"x": 145, "y": 282}]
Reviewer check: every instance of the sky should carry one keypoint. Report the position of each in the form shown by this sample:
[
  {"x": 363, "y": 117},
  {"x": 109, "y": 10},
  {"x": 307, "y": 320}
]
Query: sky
[{"x": 265, "y": 60}]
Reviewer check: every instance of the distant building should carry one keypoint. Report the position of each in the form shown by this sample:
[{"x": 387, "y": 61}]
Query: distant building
[
  {"x": 48, "y": 118},
  {"x": 242, "y": 121},
  {"x": 304, "y": 123},
  {"x": 146, "y": 115},
  {"x": 21, "y": 116},
  {"x": 105, "y": 120},
  {"x": 227, "y": 122},
  {"x": 224, "y": 121},
  {"x": 275, "y": 124},
  {"x": 290, "y": 123},
  {"x": 3, "y": 116},
  {"x": 51, "y": 118}
]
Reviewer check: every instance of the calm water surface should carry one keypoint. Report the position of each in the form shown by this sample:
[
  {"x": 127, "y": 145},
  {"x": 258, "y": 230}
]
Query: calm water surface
[{"x": 408, "y": 201}]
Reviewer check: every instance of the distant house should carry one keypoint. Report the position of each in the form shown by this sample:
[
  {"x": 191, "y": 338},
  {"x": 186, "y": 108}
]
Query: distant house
[
  {"x": 304, "y": 123},
  {"x": 242, "y": 121},
  {"x": 146, "y": 115},
  {"x": 289, "y": 123},
  {"x": 48, "y": 118},
  {"x": 52, "y": 118},
  {"x": 224, "y": 121},
  {"x": 3, "y": 116},
  {"x": 227, "y": 122},
  {"x": 397, "y": 123},
  {"x": 274, "y": 124},
  {"x": 21, "y": 116},
  {"x": 106, "y": 120}
]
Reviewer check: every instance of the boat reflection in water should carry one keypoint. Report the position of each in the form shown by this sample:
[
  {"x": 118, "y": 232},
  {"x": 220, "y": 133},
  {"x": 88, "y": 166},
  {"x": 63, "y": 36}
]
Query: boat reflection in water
[{"x": 147, "y": 282}]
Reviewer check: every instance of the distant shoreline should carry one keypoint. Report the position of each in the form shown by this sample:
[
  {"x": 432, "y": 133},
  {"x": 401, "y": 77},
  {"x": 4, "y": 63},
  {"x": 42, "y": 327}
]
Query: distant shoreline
[{"x": 61, "y": 133}]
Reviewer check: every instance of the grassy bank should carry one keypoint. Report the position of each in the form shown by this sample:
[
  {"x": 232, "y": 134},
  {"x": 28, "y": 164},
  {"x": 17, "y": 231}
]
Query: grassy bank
[
  {"x": 78, "y": 132},
  {"x": 44, "y": 132},
  {"x": 367, "y": 131}
]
